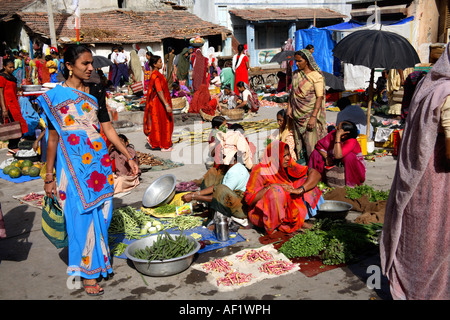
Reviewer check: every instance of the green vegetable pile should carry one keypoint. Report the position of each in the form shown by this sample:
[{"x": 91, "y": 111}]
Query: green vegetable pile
[
  {"x": 129, "y": 221},
  {"x": 334, "y": 241},
  {"x": 166, "y": 208},
  {"x": 166, "y": 247},
  {"x": 183, "y": 222},
  {"x": 372, "y": 194}
]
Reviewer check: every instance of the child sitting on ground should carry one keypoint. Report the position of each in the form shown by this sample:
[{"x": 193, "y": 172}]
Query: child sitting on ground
[{"x": 124, "y": 180}]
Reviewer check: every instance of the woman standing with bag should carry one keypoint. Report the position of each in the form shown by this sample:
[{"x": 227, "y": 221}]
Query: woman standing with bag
[
  {"x": 11, "y": 111},
  {"x": 74, "y": 113},
  {"x": 158, "y": 117}
]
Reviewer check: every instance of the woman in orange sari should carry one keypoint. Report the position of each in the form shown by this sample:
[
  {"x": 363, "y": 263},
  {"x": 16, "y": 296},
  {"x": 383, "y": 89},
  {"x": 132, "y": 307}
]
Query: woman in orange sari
[
  {"x": 158, "y": 117},
  {"x": 281, "y": 194}
]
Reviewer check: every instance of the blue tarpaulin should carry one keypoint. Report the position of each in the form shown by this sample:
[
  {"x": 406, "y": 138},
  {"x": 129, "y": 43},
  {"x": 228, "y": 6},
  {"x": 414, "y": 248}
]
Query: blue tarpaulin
[{"x": 323, "y": 44}]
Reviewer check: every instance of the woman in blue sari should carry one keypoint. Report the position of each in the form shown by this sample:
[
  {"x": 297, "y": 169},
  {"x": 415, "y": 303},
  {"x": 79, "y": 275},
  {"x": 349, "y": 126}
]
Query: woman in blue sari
[{"x": 75, "y": 113}]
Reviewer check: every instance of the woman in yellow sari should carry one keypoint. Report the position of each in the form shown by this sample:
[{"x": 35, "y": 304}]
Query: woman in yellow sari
[{"x": 306, "y": 105}]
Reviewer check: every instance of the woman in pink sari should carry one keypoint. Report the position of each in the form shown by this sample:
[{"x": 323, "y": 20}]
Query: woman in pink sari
[{"x": 340, "y": 146}]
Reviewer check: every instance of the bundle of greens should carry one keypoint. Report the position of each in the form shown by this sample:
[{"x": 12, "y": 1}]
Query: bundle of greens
[
  {"x": 129, "y": 221},
  {"x": 372, "y": 194},
  {"x": 334, "y": 241}
]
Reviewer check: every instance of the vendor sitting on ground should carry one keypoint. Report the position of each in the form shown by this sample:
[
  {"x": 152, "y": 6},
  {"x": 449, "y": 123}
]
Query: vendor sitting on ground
[
  {"x": 340, "y": 147},
  {"x": 124, "y": 180},
  {"x": 215, "y": 79},
  {"x": 248, "y": 98},
  {"x": 218, "y": 123},
  {"x": 227, "y": 98},
  {"x": 281, "y": 194},
  {"x": 179, "y": 90},
  {"x": 223, "y": 189}
]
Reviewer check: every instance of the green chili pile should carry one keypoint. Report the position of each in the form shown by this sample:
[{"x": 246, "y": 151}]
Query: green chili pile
[{"x": 166, "y": 247}]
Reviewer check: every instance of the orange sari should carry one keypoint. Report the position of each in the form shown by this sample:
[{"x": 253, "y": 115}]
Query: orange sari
[
  {"x": 158, "y": 124},
  {"x": 278, "y": 209}
]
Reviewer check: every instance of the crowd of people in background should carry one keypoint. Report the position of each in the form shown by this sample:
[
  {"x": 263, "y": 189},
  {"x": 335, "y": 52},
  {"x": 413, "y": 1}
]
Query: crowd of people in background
[{"x": 278, "y": 191}]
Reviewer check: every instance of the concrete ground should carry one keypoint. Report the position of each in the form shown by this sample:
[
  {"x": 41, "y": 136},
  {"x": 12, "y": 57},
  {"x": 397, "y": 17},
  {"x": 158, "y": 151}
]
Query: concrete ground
[{"x": 32, "y": 269}]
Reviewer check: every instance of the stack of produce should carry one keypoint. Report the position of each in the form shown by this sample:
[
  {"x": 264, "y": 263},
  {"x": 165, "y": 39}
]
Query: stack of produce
[
  {"x": 20, "y": 168},
  {"x": 335, "y": 242}
]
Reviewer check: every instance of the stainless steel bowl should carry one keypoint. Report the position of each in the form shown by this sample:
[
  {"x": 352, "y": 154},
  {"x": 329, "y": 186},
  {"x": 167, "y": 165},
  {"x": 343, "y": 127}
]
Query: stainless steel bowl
[
  {"x": 160, "y": 191},
  {"x": 29, "y": 87},
  {"x": 334, "y": 209},
  {"x": 160, "y": 268},
  {"x": 176, "y": 111}
]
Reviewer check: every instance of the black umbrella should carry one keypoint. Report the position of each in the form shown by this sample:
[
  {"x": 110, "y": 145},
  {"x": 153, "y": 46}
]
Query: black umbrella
[
  {"x": 376, "y": 49},
  {"x": 283, "y": 56},
  {"x": 333, "y": 82},
  {"x": 100, "y": 62}
]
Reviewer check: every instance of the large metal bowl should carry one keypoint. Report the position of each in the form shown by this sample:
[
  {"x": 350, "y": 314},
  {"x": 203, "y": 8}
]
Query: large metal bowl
[
  {"x": 30, "y": 87},
  {"x": 334, "y": 209},
  {"x": 160, "y": 191},
  {"x": 160, "y": 268}
]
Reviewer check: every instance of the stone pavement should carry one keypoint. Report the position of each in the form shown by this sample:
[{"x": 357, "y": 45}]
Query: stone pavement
[{"x": 32, "y": 269}]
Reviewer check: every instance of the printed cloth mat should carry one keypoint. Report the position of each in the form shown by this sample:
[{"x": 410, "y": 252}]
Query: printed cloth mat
[
  {"x": 238, "y": 270},
  {"x": 199, "y": 233},
  {"x": 200, "y": 137},
  {"x": 20, "y": 179}
]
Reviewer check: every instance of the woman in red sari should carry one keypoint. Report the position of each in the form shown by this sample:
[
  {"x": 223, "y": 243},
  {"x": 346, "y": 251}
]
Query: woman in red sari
[
  {"x": 9, "y": 103},
  {"x": 199, "y": 70},
  {"x": 240, "y": 67},
  {"x": 280, "y": 193},
  {"x": 158, "y": 117}
]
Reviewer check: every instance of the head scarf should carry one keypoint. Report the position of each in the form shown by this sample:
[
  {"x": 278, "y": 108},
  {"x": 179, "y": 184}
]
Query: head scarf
[
  {"x": 311, "y": 60},
  {"x": 183, "y": 65}
]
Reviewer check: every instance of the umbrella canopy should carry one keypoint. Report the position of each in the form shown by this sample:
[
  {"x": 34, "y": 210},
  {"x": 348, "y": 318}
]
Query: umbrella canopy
[
  {"x": 100, "y": 62},
  {"x": 376, "y": 49},
  {"x": 333, "y": 82},
  {"x": 283, "y": 56}
]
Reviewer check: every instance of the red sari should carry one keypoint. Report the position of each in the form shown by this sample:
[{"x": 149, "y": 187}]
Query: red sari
[
  {"x": 11, "y": 101},
  {"x": 278, "y": 209},
  {"x": 201, "y": 100},
  {"x": 240, "y": 71},
  {"x": 199, "y": 70},
  {"x": 158, "y": 124}
]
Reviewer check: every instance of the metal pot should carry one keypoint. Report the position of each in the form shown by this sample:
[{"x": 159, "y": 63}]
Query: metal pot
[
  {"x": 334, "y": 209},
  {"x": 160, "y": 191},
  {"x": 160, "y": 268}
]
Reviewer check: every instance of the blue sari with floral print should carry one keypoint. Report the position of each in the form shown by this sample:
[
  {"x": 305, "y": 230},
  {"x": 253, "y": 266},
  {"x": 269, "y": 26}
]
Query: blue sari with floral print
[{"x": 84, "y": 176}]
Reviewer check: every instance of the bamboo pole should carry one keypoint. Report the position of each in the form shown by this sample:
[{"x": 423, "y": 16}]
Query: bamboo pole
[
  {"x": 369, "y": 105},
  {"x": 51, "y": 24}
]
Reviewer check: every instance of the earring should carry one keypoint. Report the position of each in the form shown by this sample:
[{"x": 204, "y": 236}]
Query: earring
[{"x": 70, "y": 73}]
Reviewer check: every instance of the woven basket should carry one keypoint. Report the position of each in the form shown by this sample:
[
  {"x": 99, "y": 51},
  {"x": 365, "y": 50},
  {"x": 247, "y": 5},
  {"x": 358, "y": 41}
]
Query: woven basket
[
  {"x": 178, "y": 103},
  {"x": 233, "y": 114},
  {"x": 207, "y": 117}
]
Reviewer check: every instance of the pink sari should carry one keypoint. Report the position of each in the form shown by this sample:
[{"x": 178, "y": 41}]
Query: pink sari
[{"x": 353, "y": 159}]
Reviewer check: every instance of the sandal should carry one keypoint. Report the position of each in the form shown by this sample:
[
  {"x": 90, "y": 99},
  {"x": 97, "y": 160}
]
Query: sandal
[{"x": 90, "y": 286}]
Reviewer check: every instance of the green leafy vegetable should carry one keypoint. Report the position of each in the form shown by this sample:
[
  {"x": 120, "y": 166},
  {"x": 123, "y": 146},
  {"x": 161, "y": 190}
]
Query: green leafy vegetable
[{"x": 372, "y": 194}]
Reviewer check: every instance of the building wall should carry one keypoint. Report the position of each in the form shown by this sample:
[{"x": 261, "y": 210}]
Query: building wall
[{"x": 427, "y": 24}]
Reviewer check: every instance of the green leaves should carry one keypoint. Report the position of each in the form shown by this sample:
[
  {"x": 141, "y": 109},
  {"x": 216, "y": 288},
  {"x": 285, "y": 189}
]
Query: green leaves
[
  {"x": 335, "y": 242},
  {"x": 372, "y": 194}
]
